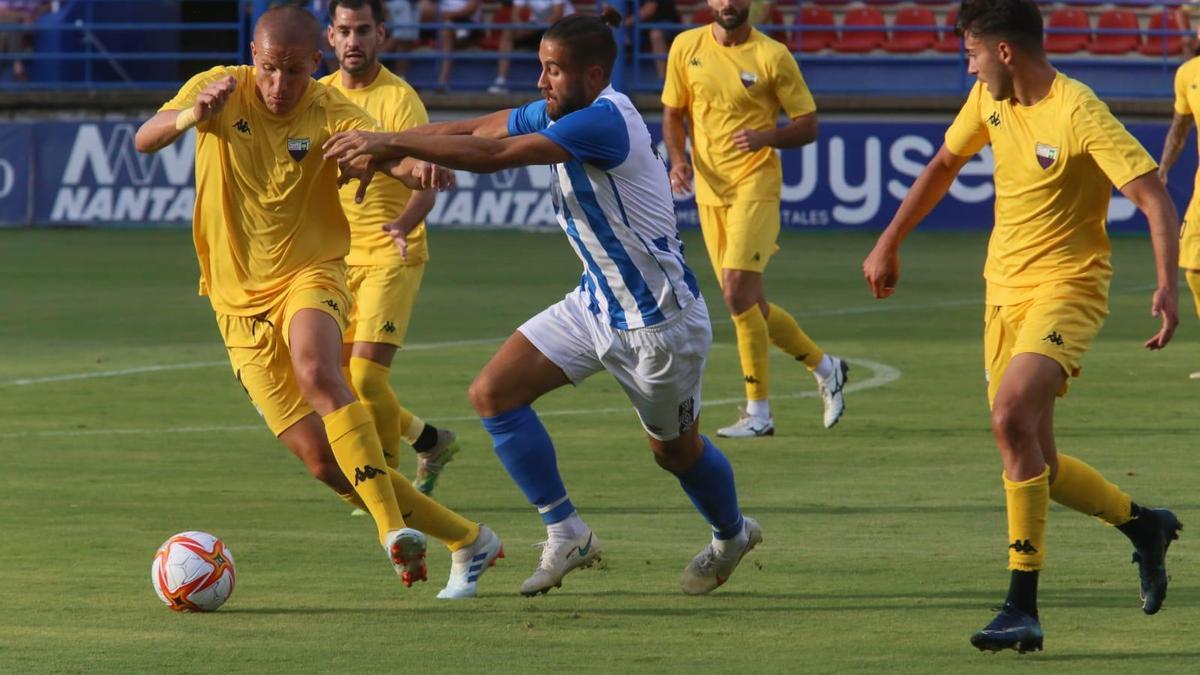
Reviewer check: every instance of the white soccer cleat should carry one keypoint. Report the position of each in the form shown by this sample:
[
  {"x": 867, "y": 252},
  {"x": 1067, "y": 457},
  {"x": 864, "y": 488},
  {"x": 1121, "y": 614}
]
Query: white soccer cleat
[
  {"x": 406, "y": 548},
  {"x": 1195, "y": 375},
  {"x": 470, "y": 562},
  {"x": 748, "y": 426},
  {"x": 431, "y": 463},
  {"x": 831, "y": 391},
  {"x": 559, "y": 558},
  {"x": 709, "y": 569}
]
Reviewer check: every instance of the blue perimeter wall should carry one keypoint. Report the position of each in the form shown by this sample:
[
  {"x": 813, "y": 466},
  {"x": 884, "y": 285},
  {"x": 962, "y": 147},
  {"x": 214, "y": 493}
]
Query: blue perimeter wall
[{"x": 87, "y": 173}]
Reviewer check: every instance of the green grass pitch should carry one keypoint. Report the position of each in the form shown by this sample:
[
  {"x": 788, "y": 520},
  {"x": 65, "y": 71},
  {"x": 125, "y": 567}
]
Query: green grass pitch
[{"x": 884, "y": 537}]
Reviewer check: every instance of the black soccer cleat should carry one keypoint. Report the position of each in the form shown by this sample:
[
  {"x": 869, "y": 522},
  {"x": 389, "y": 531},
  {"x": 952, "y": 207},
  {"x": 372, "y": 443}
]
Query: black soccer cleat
[
  {"x": 1011, "y": 629},
  {"x": 1151, "y": 559}
]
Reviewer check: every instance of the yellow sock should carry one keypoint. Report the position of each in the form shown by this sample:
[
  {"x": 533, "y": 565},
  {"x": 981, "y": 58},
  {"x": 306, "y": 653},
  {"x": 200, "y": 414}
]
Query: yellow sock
[
  {"x": 787, "y": 335},
  {"x": 432, "y": 518},
  {"x": 1078, "y": 486},
  {"x": 351, "y": 433},
  {"x": 1027, "y": 503},
  {"x": 1193, "y": 282},
  {"x": 370, "y": 380},
  {"x": 353, "y": 500},
  {"x": 752, "y": 344}
]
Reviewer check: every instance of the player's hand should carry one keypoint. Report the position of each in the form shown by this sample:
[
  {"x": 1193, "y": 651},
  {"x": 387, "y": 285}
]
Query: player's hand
[
  {"x": 347, "y": 145},
  {"x": 881, "y": 269},
  {"x": 749, "y": 140},
  {"x": 681, "y": 179},
  {"x": 212, "y": 98},
  {"x": 1164, "y": 305},
  {"x": 361, "y": 169},
  {"x": 433, "y": 177},
  {"x": 399, "y": 234}
]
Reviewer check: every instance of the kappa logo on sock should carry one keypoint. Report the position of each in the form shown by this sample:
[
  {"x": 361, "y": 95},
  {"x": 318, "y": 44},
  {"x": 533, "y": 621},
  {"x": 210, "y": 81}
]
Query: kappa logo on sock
[
  {"x": 1023, "y": 546},
  {"x": 365, "y": 473},
  {"x": 389, "y": 327},
  {"x": 750, "y": 379}
]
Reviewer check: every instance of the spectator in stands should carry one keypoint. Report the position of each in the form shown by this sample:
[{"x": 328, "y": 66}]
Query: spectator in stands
[
  {"x": 452, "y": 11},
  {"x": 15, "y": 41},
  {"x": 401, "y": 17},
  {"x": 655, "y": 40},
  {"x": 541, "y": 12}
]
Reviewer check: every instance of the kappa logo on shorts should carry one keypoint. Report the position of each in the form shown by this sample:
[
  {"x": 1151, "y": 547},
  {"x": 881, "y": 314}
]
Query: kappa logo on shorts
[
  {"x": 1054, "y": 338},
  {"x": 332, "y": 305},
  {"x": 757, "y": 256},
  {"x": 687, "y": 414},
  {"x": 389, "y": 327},
  {"x": 297, "y": 148}
]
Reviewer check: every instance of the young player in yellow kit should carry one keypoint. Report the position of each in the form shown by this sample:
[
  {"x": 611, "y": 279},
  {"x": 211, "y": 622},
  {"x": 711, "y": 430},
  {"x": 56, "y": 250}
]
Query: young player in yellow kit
[
  {"x": 1187, "y": 110},
  {"x": 271, "y": 236},
  {"x": 384, "y": 274},
  {"x": 727, "y": 82},
  {"x": 1058, "y": 153}
]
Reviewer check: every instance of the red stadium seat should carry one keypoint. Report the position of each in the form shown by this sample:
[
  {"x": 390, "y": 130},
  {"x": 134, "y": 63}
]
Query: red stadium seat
[
  {"x": 1160, "y": 45},
  {"x": 860, "y": 41},
  {"x": 775, "y": 18},
  {"x": 702, "y": 16},
  {"x": 1116, "y": 43},
  {"x": 832, "y": 2},
  {"x": 883, "y": 2},
  {"x": 503, "y": 14},
  {"x": 911, "y": 41},
  {"x": 813, "y": 40},
  {"x": 950, "y": 43},
  {"x": 1068, "y": 43}
]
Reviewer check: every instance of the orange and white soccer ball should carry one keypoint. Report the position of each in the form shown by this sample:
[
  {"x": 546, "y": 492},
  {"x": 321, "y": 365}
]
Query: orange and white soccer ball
[{"x": 193, "y": 572}]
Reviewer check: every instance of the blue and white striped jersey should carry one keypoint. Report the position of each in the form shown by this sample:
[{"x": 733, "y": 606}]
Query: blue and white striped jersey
[{"x": 613, "y": 199}]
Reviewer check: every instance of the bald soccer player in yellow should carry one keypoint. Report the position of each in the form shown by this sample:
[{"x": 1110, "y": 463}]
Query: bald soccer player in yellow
[
  {"x": 271, "y": 237},
  {"x": 387, "y": 244},
  {"x": 1187, "y": 111},
  {"x": 1059, "y": 151},
  {"x": 726, "y": 84}
]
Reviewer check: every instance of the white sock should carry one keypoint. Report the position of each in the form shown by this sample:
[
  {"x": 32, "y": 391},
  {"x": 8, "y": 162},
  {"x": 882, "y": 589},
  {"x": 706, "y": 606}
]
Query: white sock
[
  {"x": 571, "y": 527},
  {"x": 759, "y": 409},
  {"x": 823, "y": 369},
  {"x": 499, "y": 81},
  {"x": 733, "y": 545}
]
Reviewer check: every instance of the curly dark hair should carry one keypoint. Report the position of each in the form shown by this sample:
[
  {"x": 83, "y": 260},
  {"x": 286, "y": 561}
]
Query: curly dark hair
[{"x": 1015, "y": 21}]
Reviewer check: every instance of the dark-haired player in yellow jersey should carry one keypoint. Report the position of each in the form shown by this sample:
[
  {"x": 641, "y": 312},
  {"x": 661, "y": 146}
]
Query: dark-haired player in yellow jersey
[
  {"x": 384, "y": 274},
  {"x": 1059, "y": 151},
  {"x": 271, "y": 236},
  {"x": 727, "y": 82},
  {"x": 1187, "y": 110}
]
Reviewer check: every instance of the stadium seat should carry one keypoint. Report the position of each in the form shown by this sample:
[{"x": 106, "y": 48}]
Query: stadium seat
[
  {"x": 861, "y": 41},
  {"x": 702, "y": 16},
  {"x": 950, "y": 43},
  {"x": 503, "y": 14},
  {"x": 1068, "y": 43},
  {"x": 883, "y": 2},
  {"x": 912, "y": 41},
  {"x": 1160, "y": 45},
  {"x": 1116, "y": 43},
  {"x": 775, "y": 18},
  {"x": 813, "y": 40},
  {"x": 832, "y": 2}
]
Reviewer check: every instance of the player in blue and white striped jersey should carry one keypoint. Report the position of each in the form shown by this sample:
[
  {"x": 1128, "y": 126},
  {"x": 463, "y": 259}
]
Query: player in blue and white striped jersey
[{"x": 636, "y": 313}]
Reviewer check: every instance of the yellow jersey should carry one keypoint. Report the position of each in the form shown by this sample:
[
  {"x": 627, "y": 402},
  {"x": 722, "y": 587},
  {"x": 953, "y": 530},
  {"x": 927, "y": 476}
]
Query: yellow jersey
[
  {"x": 1056, "y": 163},
  {"x": 267, "y": 204},
  {"x": 1187, "y": 102},
  {"x": 396, "y": 107},
  {"x": 724, "y": 90}
]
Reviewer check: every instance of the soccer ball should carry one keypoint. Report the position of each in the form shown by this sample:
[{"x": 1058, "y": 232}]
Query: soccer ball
[{"x": 193, "y": 572}]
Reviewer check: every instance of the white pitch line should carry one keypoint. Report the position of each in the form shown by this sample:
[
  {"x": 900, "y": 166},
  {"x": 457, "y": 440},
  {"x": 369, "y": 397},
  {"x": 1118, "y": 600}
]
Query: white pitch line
[{"x": 882, "y": 375}]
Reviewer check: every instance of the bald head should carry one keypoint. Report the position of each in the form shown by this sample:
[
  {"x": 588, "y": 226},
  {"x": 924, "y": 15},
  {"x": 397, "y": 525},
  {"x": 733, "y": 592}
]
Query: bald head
[{"x": 288, "y": 26}]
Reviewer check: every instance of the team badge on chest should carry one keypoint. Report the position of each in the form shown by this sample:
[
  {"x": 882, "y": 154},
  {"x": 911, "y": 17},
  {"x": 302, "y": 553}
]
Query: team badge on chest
[
  {"x": 748, "y": 79},
  {"x": 297, "y": 148},
  {"x": 1046, "y": 155}
]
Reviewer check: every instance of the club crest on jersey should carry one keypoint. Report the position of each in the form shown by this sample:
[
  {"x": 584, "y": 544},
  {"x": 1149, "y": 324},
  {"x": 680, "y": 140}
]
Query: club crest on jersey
[
  {"x": 748, "y": 79},
  {"x": 1046, "y": 154},
  {"x": 297, "y": 148}
]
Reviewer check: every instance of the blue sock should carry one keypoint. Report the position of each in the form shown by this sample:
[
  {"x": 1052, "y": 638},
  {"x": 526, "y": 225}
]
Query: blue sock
[
  {"x": 709, "y": 484},
  {"x": 527, "y": 453}
]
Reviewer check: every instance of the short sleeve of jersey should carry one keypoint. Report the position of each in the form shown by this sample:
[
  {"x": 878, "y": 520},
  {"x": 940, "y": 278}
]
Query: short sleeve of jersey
[
  {"x": 528, "y": 118},
  {"x": 675, "y": 93},
  {"x": 344, "y": 115},
  {"x": 1181, "y": 84},
  {"x": 595, "y": 135},
  {"x": 186, "y": 98},
  {"x": 967, "y": 134},
  {"x": 410, "y": 112},
  {"x": 791, "y": 89},
  {"x": 1118, "y": 154}
]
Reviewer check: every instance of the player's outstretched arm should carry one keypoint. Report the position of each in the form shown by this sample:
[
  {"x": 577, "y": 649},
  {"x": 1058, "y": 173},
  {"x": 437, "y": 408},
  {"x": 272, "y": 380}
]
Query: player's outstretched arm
[
  {"x": 1181, "y": 126},
  {"x": 492, "y": 125},
  {"x": 468, "y": 153},
  {"x": 166, "y": 126},
  {"x": 882, "y": 267},
  {"x": 675, "y": 137},
  {"x": 1150, "y": 196}
]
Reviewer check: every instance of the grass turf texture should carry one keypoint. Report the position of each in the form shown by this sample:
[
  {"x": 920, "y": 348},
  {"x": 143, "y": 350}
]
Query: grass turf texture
[{"x": 884, "y": 538}]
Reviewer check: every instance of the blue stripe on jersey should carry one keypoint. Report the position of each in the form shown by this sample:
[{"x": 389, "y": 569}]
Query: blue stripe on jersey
[
  {"x": 625, "y": 217},
  {"x": 615, "y": 311},
  {"x": 581, "y": 185},
  {"x": 688, "y": 278}
]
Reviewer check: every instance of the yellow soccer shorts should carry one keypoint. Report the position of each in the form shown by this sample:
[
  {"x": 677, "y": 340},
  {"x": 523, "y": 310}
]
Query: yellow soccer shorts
[
  {"x": 384, "y": 296},
  {"x": 258, "y": 346},
  {"x": 1060, "y": 323},
  {"x": 1189, "y": 245},
  {"x": 741, "y": 235}
]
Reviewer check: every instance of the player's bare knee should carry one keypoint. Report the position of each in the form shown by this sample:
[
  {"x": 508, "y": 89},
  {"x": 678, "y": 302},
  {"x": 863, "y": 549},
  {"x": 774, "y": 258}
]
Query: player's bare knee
[
  {"x": 485, "y": 396},
  {"x": 318, "y": 380},
  {"x": 676, "y": 455},
  {"x": 1011, "y": 424}
]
